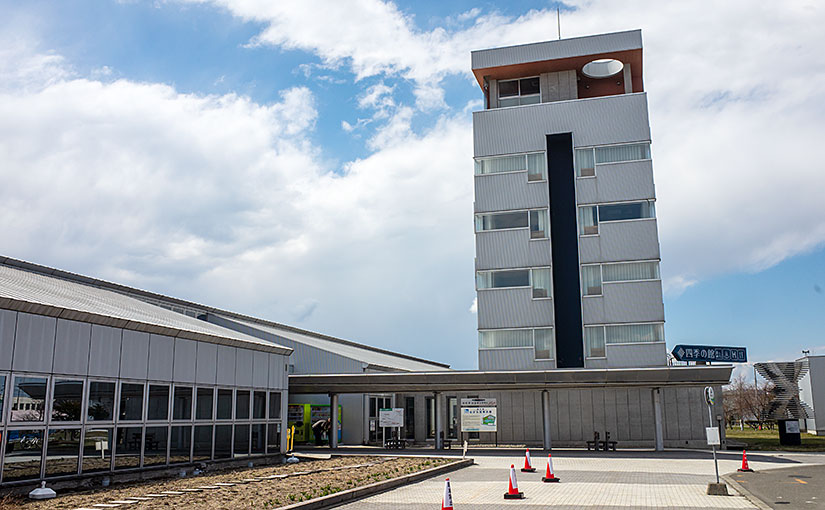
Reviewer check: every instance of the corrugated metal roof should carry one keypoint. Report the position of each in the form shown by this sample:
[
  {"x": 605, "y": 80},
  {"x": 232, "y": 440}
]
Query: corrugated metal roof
[
  {"x": 42, "y": 294},
  {"x": 377, "y": 358},
  {"x": 553, "y": 50}
]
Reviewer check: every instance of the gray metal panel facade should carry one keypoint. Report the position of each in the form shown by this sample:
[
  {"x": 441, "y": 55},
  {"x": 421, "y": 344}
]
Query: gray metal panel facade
[
  {"x": 71, "y": 348},
  {"x": 277, "y": 371},
  {"x": 593, "y": 121},
  {"x": 633, "y": 302},
  {"x": 226, "y": 365},
  {"x": 512, "y": 359},
  {"x": 593, "y": 310},
  {"x": 34, "y": 343},
  {"x": 104, "y": 353},
  {"x": 8, "y": 323},
  {"x": 552, "y": 50},
  {"x": 498, "y": 249},
  {"x": 621, "y": 241},
  {"x": 206, "y": 369},
  {"x": 134, "y": 355},
  {"x": 243, "y": 368},
  {"x": 513, "y": 308},
  {"x": 260, "y": 370},
  {"x": 186, "y": 359},
  {"x": 497, "y": 192},
  {"x": 636, "y": 355},
  {"x": 618, "y": 182},
  {"x": 161, "y": 357}
]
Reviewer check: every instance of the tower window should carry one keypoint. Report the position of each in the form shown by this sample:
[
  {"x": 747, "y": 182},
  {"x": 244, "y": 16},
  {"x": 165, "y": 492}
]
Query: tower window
[{"x": 519, "y": 92}]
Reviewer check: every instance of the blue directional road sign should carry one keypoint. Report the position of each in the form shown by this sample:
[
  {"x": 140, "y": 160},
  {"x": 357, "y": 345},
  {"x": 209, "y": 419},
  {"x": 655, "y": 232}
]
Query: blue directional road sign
[{"x": 710, "y": 353}]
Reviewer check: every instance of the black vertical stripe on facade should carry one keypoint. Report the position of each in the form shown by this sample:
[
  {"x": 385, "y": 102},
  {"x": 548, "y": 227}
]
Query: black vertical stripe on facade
[{"x": 565, "y": 248}]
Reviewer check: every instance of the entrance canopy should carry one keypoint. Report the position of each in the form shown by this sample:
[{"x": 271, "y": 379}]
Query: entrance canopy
[{"x": 409, "y": 382}]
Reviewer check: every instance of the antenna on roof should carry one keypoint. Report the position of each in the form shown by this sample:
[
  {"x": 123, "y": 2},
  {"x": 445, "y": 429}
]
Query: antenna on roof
[{"x": 558, "y": 20}]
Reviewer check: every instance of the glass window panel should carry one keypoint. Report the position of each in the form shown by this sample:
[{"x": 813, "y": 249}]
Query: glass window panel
[
  {"x": 154, "y": 452},
  {"x": 503, "y": 279},
  {"x": 585, "y": 163},
  {"x": 501, "y": 164},
  {"x": 634, "y": 333},
  {"x": 2, "y": 394},
  {"x": 180, "y": 443},
  {"x": 158, "y": 402},
  {"x": 631, "y": 211},
  {"x": 544, "y": 343},
  {"x": 588, "y": 220},
  {"x": 631, "y": 271},
  {"x": 617, "y": 153},
  {"x": 259, "y": 405},
  {"x": 274, "y": 405},
  {"x": 258, "y": 438},
  {"x": 24, "y": 449},
  {"x": 429, "y": 404},
  {"x": 182, "y": 404},
  {"x": 128, "y": 447},
  {"x": 504, "y": 339},
  {"x": 273, "y": 438},
  {"x": 223, "y": 441},
  {"x": 242, "y": 405},
  {"x": 538, "y": 224},
  {"x": 224, "y": 404},
  {"x": 508, "y": 88},
  {"x": 97, "y": 450},
  {"x": 67, "y": 402},
  {"x": 203, "y": 443},
  {"x": 241, "y": 448},
  {"x": 28, "y": 400},
  {"x": 501, "y": 221},
  {"x": 591, "y": 280},
  {"x": 204, "y": 404},
  {"x": 101, "y": 401},
  {"x": 510, "y": 101},
  {"x": 541, "y": 282},
  {"x": 594, "y": 341},
  {"x": 131, "y": 401},
  {"x": 62, "y": 451},
  {"x": 536, "y": 167},
  {"x": 530, "y": 100},
  {"x": 529, "y": 86}
]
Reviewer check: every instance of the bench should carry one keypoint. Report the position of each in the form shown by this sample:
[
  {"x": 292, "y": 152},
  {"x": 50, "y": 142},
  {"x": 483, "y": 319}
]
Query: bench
[
  {"x": 607, "y": 444},
  {"x": 594, "y": 443},
  {"x": 396, "y": 444}
]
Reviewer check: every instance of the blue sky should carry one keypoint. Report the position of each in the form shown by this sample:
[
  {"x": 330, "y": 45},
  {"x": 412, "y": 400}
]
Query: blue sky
[{"x": 312, "y": 164}]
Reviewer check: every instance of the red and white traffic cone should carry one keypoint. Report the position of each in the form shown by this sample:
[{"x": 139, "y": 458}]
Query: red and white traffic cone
[
  {"x": 528, "y": 464},
  {"x": 447, "y": 500},
  {"x": 512, "y": 491},
  {"x": 549, "y": 476},
  {"x": 745, "y": 467}
]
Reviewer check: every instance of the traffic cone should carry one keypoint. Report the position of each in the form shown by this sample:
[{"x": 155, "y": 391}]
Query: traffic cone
[
  {"x": 528, "y": 464},
  {"x": 447, "y": 500},
  {"x": 512, "y": 491},
  {"x": 549, "y": 476},
  {"x": 745, "y": 467}
]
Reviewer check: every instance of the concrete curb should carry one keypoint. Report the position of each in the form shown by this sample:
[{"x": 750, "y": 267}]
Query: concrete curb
[
  {"x": 357, "y": 493},
  {"x": 738, "y": 487}
]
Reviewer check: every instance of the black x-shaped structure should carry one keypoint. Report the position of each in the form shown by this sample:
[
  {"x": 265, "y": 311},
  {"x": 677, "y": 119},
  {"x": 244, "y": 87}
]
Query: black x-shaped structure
[{"x": 785, "y": 376}]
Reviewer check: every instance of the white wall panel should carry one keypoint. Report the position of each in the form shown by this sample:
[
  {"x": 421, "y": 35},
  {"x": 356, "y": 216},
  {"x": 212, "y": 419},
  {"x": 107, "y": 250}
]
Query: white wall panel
[
  {"x": 186, "y": 356},
  {"x": 243, "y": 367},
  {"x": 636, "y": 355},
  {"x": 260, "y": 369},
  {"x": 276, "y": 368},
  {"x": 633, "y": 302},
  {"x": 34, "y": 343},
  {"x": 104, "y": 353},
  {"x": 207, "y": 365},
  {"x": 161, "y": 357},
  {"x": 71, "y": 350},
  {"x": 511, "y": 308},
  {"x": 8, "y": 323},
  {"x": 134, "y": 355},
  {"x": 226, "y": 365}
]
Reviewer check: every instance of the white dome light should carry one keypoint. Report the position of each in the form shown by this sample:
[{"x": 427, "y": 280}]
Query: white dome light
[{"x": 602, "y": 68}]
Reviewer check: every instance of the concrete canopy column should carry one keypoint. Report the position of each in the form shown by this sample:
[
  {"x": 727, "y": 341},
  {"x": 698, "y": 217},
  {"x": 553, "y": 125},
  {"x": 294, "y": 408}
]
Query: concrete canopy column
[
  {"x": 658, "y": 428},
  {"x": 439, "y": 420},
  {"x": 545, "y": 408},
  {"x": 333, "y": 413}
]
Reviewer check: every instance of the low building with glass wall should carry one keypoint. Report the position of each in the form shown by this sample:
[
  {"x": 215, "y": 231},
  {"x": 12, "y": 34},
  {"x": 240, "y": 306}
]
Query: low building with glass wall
[{"x": 93, "y": 381}]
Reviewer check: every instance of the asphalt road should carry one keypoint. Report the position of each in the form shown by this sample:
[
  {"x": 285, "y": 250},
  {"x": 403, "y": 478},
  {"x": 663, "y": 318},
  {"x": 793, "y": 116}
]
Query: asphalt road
[{"x": 791, "y": 487}]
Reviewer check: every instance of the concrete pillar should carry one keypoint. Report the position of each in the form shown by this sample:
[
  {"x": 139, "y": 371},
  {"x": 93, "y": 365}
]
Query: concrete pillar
[
  {"x": 658, "y": 428},
  {"x": 333, "y": 413},
  {"x": 439, "y": 420},
  {"x": 545, "y": 408},
  {"x": 628, "y": 79}
]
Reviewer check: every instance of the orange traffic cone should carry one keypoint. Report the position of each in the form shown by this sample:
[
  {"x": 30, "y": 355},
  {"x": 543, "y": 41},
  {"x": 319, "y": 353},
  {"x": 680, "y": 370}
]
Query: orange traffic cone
[
  {"x": 549, "y": 476},
  {"x": 447, "y": 500},
  {"x": 745, "y": 467},
  {"x": 528, "y": 464},
  {"x": 512, "y": 491}
]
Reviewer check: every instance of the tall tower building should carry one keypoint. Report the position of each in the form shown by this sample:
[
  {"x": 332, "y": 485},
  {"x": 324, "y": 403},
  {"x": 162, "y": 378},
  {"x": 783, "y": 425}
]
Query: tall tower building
[{"x": 567, "y": 249}]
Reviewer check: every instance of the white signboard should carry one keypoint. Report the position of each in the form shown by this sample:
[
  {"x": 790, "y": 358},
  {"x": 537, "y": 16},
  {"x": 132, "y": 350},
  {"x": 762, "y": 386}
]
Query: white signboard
[
  {"x": 713, "y": 436},
  {"x": 792, "y": 427},
  {"x": 391, "y": 418},
  {"x": 475, "y": 402},
  {"x": 479, "y": 419}
]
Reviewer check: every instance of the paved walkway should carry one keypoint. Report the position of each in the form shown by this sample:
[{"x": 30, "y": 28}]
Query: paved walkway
[{"x": 588, "y": 480}]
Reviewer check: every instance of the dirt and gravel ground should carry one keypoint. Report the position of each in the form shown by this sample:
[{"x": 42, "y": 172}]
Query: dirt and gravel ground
[{"x": 303, "y": 483}]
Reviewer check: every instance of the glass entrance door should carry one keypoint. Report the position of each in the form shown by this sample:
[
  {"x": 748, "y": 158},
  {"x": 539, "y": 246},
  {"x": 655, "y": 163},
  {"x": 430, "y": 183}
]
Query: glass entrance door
[{"x": 376, "y": 436}]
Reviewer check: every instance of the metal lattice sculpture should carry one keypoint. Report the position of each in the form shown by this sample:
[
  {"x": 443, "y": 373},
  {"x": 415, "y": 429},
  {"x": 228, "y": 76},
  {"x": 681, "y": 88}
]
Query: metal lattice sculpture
[{"x": 785, "y": 376}]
